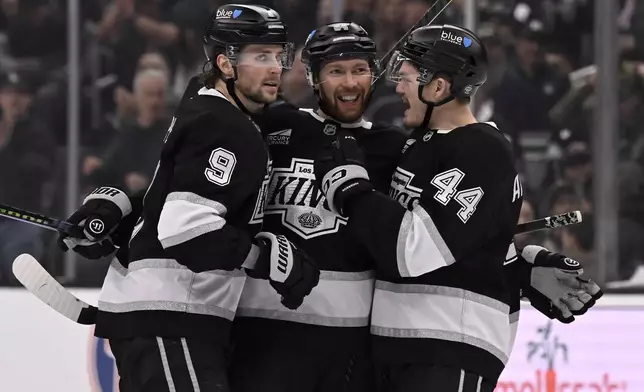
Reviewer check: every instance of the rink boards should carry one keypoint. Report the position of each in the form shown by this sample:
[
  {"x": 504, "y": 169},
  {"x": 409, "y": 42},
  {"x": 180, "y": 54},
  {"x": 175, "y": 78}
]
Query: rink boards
[{"x": 41, "y": 351}]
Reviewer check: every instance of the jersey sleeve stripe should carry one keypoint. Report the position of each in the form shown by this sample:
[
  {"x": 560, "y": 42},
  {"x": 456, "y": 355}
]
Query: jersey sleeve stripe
[
  {"x": 420, "y": 247},
  {"x": 511, "y": 256},
  {"x": 186, "y": 215}
]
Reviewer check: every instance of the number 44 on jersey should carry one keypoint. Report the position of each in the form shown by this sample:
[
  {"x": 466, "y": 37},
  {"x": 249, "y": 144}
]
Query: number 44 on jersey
[{"x": 447, "y": 183}]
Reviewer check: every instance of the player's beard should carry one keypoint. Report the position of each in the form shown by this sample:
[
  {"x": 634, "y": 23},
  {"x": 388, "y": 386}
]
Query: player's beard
[
  {"x": 333, "y": 106},
  {"x": 257, "y": 94}
]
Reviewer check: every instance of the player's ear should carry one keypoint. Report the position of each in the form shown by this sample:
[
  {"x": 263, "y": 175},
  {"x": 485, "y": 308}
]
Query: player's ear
[
  {"x": 223, "y": 63},
  {"x": 442, "y": 88}
]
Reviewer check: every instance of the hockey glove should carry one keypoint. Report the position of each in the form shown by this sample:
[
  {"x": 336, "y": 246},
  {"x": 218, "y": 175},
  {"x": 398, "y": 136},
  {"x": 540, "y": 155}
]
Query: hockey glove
[
  {"x": 340, "y": 173},
  {"x": 555, "y": 287},
  {"x": 99, "y": 216},
  {"x": 289, "y": 270}
]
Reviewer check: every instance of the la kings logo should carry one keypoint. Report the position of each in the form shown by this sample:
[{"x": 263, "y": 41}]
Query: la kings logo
[
  {"x": 258, "y": 212},
  {"x": 401, "y": 189},
  {"x": 293, "y": 194}
]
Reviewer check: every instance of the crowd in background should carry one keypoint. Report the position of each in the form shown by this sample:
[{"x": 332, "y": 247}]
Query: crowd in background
[{"x": 138, "y": 55}]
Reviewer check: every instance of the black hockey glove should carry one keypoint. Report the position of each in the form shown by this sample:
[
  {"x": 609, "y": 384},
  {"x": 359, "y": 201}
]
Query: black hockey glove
[
  {"x": 288, "y": 269},
  {"x": 99, "y": 216},
  {"x": 340, "y": 173},
  {"x": 555, "y": 287}
]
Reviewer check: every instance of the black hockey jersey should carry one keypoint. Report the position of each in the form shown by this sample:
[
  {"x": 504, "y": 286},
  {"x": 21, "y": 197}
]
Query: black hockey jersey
[
  {"x": 441, "y": 296},
  {"x": 296, "y": 207},
  {"x": 205, "y": 204}
]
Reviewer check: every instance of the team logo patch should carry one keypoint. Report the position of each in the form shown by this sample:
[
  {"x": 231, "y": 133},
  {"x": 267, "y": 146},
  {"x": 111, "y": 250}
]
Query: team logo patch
[
  {"x": 294, "y": 196},
  {"x": 309, "y": 220},
  {"x": 96, "y": 226},
  {"x": 570, "y": 262}
]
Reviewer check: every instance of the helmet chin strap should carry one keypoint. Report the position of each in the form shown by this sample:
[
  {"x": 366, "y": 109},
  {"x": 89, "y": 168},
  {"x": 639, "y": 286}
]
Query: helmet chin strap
[{"x": 430, "y": 105}]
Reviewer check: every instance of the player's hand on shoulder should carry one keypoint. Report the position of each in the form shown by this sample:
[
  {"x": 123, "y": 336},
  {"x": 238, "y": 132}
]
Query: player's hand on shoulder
[
  {"x": 290, "y": 271},
  {"x": 340, "y": 173},
  {"x": 556, "y": 288},
  {"x": 98, "y": 219}
]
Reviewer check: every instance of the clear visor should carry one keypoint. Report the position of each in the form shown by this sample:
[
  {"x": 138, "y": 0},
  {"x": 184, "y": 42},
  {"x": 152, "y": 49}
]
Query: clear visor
[
  {"x": 401, "y": 69},
  {"x": 348, "y": 67},
  {"x": 263, "y": 55}
]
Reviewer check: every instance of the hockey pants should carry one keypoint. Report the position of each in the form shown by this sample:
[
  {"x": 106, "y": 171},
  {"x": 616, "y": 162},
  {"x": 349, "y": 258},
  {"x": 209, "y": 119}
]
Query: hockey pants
[
  {"x": 430, "y": 378},
  {"x": 261, "y": 367},
  {"x": 170, "y": 365}
]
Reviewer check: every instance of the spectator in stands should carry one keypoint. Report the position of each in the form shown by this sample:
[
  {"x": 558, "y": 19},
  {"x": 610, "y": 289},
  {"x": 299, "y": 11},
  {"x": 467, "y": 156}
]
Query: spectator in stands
[
  {"x": 190, "y": 16},
  {"x": 133, "y": 27},
  {"x": 530, "y": 87},
  {"x": 130, "y": 160},
  {"x": 389, "y": 13},
  {"x": 36, "y": 29},
  {"x": 26, "y": 156}
]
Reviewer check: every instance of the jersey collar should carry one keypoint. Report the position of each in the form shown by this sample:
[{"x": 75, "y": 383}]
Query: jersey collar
[{"x": 360, "y": 124}]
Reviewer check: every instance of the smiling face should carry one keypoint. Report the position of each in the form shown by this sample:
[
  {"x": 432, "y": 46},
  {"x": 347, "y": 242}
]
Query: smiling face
[
  {"x": 259, "y": 69},
  {"x": 344, "y": 87}
]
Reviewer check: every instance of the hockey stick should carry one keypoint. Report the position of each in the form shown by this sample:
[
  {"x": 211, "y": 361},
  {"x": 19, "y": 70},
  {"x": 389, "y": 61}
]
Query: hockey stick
[
  {"x": 550, "y": 222},
  {"x": 430, "y": 16},
  {"x": 40, "y": 283},
  {"x": 40, "y": 220}
]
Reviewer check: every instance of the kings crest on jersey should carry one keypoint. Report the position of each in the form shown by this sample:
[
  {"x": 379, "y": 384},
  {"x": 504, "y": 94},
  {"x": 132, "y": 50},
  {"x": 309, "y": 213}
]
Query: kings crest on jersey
[
  {"x": 293, "y": 195},
  {"x": 295, "y": 205}
]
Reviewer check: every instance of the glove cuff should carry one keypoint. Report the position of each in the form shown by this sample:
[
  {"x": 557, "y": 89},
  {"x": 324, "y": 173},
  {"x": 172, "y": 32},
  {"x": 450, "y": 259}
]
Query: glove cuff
[
  {"x": 281, "y": 256},
  {"x": 530, "y": 252},
  {"x": 336, "y": 178},
  {"x": 114, "y": 195}
]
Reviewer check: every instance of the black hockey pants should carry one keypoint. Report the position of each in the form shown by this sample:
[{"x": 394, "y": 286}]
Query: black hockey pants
[
  {"x": 260, "y": 366},
  {"x": 430, "y": 378},
  {"x": 170, "y": 365}
]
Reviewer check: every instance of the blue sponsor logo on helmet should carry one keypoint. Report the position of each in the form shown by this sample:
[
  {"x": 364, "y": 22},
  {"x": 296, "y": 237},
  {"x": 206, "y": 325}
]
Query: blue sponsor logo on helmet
[{"x": 311, "y": 34}]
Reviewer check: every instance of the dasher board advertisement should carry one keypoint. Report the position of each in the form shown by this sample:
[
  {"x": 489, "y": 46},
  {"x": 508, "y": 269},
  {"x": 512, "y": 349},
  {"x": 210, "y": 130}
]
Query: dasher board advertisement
[{"x": 603, "y": 351}]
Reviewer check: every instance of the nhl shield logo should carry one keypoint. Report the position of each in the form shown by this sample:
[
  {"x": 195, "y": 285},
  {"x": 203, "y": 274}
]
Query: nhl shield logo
[{"x": 329, "y": 129}]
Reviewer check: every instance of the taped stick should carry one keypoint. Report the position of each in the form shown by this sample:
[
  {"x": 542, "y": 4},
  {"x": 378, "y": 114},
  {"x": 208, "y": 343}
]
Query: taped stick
[
  {"x": 33, "y": 276},
  {"x": 550, "y": 222},
  {"x": 43, "y": 221}
]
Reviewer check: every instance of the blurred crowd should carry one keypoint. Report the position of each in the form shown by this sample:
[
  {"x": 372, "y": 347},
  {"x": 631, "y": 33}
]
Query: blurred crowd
[{"x": 138, "y": 55}]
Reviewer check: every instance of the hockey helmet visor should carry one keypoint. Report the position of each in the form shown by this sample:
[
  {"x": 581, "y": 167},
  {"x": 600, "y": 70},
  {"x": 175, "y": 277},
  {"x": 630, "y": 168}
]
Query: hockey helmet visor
[{"x": 403, "y": 69}]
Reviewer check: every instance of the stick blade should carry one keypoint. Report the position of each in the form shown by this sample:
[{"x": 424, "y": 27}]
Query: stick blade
[{"x": 33, "y": 276}]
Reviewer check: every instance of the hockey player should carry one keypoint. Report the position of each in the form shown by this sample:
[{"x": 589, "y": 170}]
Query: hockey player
[
  {"x": 168, "y": 301},
  {"x": 324, "y": 344},
  {"x": 441, "y": 309}
]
